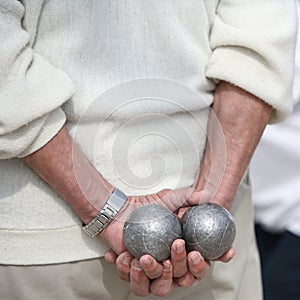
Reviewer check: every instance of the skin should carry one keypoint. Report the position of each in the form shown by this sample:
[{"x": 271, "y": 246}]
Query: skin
[
  {"x": 242, "y": 118},
  {"x": 57, "y": 162},
  {"x": 236, "y": 124}
]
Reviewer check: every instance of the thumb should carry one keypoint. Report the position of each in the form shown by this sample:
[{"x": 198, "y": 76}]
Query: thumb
[
  {"x": 110, "y": 256},
  {"x": 199, "y": 197}
]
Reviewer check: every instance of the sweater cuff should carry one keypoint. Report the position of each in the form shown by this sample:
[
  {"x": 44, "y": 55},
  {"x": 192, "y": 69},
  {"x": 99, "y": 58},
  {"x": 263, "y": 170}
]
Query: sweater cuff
[
  {"x": 240, "y": 67},
  {"x": 53, "y": 124}
]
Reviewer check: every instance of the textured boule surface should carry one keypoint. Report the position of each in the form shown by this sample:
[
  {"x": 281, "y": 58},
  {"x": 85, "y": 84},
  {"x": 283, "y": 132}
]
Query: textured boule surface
[
  {"x": 151, "y": 229},
  {"x": 208, "y": 228}
]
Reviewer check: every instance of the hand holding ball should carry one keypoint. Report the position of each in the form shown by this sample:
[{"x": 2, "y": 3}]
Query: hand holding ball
[{"x": 151, "y": 229}]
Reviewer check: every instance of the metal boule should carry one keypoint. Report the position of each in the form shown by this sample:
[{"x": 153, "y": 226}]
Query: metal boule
[
  {"x": 208, "y": 228},
  {"x": 151, "y": 229}
]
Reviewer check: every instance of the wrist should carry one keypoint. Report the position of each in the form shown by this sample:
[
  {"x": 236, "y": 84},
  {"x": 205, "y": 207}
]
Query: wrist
[
  {"x": 221, "y": 188},
  {"x": 105, "y": 216},
  {"x": 88, "y": 212},
  {"x": 224, "y": 198}
]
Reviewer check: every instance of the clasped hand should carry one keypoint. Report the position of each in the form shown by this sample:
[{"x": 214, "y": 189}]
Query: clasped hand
[{"x": 147, "y": 275}]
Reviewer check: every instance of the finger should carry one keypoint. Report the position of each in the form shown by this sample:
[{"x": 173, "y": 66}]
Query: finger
[
  {"x": 164, "y": 285},
  {"x": 151, "y": 267},
  {"x": 227, "y": 257},
  {"x": 187, "y": 280},
  {"x": 110, "y": 256},
  {"x": 176, "y": 198},
  {"x": 198, "y": 268},
  {"x": 179, "y": 258},
  {"x": 123, "y": 263},
  {"x": 139, "y": 282},
  {"x": 197, "y": 265},
  {"x": 181, "y": 212},
  {"x": 198, "y": 197}
]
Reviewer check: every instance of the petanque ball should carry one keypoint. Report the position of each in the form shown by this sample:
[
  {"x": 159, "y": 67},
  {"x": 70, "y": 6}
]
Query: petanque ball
[
  {"x": 208, "y": 228},
  {"x": 151, "y": 229}
]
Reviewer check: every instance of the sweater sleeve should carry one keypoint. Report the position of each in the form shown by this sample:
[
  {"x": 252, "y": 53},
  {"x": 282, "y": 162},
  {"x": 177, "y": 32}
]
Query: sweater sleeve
[
  {"x": 253, "y": 45},
  {"x": 31, "y": 90}
]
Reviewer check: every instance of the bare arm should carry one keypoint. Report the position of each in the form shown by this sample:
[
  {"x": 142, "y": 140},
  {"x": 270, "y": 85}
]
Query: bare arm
[
  {"x": 86, "y": 190},
  {"x": 235, "y": 126},
  {"x": 67, "y": 170}
]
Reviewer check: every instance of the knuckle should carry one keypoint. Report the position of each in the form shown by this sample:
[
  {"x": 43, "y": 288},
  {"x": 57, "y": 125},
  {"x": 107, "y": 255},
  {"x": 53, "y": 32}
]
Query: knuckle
[
  {"x": 150, "y": 269},
  {"x": 154, "y": 275},
  {"x": 179, "y": 257},
  {"x": 123, "y": 269},
  {"x": 178, "y": 274},
  {"x": 200, "y": 274},
  {"x": 180, "y": 271},
  {"x": 186, "y": 280}
]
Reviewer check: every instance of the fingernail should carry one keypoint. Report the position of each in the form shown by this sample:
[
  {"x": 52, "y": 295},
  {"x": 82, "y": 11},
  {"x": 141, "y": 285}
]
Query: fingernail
[
  {"x": 167, "y": 266},
  {"x": 136, "y": 264},
  {"x": 126, "y": 260},
  {"x": 195, "y": 259},
  {"x": 179, "y": 248},
  {"x": 147, "y": 261}
]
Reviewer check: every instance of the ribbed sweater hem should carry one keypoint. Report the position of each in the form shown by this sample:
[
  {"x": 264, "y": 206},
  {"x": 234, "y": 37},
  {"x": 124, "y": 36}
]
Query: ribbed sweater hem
[{"x": 51, "y": 246}]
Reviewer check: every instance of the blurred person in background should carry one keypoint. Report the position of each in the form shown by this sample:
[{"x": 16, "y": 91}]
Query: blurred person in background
[{"x": 275, "y": 174}]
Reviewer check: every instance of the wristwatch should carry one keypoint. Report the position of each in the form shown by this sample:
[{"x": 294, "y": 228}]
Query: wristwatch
[{"x": 112, "y": 206}]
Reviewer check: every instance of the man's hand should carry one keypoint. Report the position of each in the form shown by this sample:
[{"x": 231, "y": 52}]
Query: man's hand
[
  {"x": 66, "y": 169},
  {"x": 172, "y": 199},
  {"x": 147, "y": 275}
]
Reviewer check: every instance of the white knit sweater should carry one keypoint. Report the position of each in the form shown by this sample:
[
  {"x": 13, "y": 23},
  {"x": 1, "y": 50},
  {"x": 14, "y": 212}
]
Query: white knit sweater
[{"x": 138, "y": 76}]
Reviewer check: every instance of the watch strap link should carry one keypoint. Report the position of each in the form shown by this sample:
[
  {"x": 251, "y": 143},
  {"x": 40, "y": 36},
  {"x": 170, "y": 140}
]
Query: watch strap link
[{"x": 106, "y": 214}]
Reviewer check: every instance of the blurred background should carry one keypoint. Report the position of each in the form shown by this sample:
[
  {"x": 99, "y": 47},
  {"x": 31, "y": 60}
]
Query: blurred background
[{"x": 275, "y": 176}]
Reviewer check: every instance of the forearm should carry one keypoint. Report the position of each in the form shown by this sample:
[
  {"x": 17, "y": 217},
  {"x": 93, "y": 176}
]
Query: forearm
[
  {"x": 67, "y": 170},
  {"x": 235, "y": 126}
]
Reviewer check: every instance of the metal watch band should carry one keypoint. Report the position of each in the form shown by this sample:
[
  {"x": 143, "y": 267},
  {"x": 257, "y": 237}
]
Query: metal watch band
[{"x": 112, "y": 206}]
